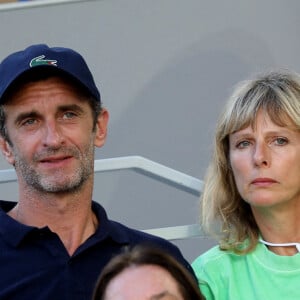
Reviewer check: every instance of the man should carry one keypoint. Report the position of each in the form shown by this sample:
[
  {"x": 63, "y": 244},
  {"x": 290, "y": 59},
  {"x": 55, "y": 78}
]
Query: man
[{"x": 55, "y": 240}]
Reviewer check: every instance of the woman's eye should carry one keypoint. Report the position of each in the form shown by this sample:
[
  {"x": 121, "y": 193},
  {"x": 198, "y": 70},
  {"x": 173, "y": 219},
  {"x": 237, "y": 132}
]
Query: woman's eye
[
  {"x": 281, "y": 141},
  {"x": 243, "y": 144}
]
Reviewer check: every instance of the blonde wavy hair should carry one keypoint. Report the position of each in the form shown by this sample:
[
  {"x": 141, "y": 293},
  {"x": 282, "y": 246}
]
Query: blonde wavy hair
[{"x": 223, "y": 212}]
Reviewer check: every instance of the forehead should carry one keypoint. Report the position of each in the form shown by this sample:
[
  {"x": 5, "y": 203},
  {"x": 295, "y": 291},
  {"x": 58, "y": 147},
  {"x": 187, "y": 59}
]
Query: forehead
[
  {"x": 49, "y": 92},
  {"x": 251, "y": 119},
  {"x": 39, "y": 88},
  {"x": 264, "y": 124},
  {"x": 146, "y": 282}
]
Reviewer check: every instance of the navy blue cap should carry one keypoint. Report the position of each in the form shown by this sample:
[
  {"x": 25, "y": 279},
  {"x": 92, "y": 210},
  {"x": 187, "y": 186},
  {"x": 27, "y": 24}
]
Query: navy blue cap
[{"x": 64, "y": 59}]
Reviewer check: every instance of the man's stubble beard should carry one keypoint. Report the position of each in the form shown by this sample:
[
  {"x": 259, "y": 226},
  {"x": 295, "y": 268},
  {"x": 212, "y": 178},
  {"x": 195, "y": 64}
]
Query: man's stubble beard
[{"x": 59, "y": 181}]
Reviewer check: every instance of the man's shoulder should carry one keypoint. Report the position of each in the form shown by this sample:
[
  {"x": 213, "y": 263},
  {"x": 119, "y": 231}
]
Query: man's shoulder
[
  {"x": 125, "y": 234},
  {"x": 136, "y": 236},
  {"x": 7, "y": 205},
  {"x": 129, "y": 236}
]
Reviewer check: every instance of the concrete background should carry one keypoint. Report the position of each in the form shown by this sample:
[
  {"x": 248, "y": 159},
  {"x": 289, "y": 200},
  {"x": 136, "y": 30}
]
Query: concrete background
[{"x": 164, "y": 69}]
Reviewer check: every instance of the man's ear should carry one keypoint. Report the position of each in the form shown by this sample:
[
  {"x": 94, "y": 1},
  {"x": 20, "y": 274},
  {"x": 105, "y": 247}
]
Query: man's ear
[
  {"x": 101, "y": 128},
  {"x": 7, "y": 151}
]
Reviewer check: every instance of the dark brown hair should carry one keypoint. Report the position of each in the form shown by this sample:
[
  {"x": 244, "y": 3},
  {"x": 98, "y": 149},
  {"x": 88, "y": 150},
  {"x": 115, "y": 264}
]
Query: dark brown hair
[{"x": 145, "y": 255}]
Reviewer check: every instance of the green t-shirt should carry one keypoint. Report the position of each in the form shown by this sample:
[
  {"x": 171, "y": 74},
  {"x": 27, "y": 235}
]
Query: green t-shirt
[{"x": 259, "y": 275}]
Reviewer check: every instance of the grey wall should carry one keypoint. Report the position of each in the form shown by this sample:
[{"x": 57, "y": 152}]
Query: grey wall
[{"x": 164, "y": 69}]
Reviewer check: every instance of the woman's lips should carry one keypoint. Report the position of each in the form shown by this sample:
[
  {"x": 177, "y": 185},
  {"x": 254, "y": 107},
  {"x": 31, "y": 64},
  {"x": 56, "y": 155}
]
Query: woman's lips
[{"x": 263, "y": 181}]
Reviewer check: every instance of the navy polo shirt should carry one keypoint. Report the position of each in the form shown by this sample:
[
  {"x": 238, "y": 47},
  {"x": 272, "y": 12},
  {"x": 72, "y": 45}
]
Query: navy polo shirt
[{"x": 34, "y": 263}]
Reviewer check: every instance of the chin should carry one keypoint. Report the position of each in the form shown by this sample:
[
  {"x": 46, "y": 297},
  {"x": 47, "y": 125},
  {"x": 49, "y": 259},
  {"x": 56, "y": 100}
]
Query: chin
[
  {"x": 61, "y": 187},
  {"x": 262, "y": 202}
]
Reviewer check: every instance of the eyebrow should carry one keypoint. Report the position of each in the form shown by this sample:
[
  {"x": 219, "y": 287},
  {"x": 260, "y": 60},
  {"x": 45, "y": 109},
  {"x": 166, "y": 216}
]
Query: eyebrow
[
  {"x": 73, "y": 107},
  {"x": 163, "y": 295},
  {"x": 280, "y": 131},
  {"x": 35, "y": 114},
  {"x": 26, "y": 115}
]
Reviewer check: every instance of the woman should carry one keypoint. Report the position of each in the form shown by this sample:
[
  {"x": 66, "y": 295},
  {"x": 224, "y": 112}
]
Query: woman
[
  {"x": 146, "y": 273},
  {"x": 251, "y": 198}
]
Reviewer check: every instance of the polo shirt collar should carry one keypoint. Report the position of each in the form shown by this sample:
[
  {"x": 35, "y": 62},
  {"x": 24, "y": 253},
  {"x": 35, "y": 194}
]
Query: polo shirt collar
[
  {"x": 14, "y": 232},
  {"x": 11, "y": 230},
  {"x": 108, "y": 228}
]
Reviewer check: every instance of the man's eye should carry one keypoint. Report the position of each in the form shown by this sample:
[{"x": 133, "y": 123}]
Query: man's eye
[
  {"x": 29, "y": 122},
  {"x": 69, "y": 115}
]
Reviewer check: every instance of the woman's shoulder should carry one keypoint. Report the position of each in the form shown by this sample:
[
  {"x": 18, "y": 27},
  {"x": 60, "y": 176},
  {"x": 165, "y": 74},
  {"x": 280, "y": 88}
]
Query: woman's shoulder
[
  {"x": 216, "y": 257},
  {"x": 211, "y": 255}
]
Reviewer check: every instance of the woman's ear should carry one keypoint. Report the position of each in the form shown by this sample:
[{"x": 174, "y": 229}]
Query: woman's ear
[
  {"x": 7, "y": 151},
  {"x": 101, "y": 128}
]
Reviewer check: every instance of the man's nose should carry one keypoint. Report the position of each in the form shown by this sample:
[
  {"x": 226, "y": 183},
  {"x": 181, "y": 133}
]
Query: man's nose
[{"x": 53, "y": 135}]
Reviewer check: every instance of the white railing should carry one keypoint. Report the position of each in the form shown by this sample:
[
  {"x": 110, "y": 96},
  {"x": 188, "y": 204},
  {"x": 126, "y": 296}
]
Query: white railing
[
  {"x": 153, "y": 170},
  {"x": 36, "y": 3}
]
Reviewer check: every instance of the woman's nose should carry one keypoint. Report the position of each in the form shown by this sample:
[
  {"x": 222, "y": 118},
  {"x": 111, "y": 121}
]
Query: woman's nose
[{"x": 261, "y": 156}]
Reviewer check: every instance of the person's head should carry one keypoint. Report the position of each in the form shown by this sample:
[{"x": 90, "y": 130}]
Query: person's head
[
  {"x": 145, "y": 273},
  {"x": 276, "y": 97},
  {"x": 50, "y": 117},
  {"x": 40, "y": 62}
]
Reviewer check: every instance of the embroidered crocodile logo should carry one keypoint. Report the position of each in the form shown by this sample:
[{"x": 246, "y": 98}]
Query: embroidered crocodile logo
[{"x": 40, "y": 61}]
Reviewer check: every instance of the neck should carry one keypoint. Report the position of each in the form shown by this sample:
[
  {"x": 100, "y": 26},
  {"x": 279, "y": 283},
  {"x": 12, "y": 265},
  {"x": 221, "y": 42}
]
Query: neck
[
  {"x": 68, "y": 215},
  {"x": 282, "y": 248},
  {"x": 279, "y": 229}
]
